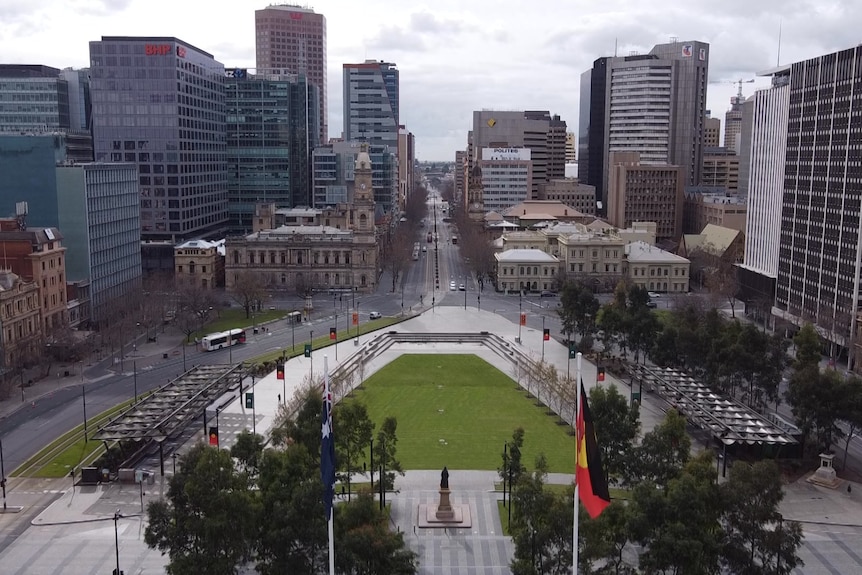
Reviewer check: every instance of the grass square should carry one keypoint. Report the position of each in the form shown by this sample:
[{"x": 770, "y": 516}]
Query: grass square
[{"x": 458, "y": 410}]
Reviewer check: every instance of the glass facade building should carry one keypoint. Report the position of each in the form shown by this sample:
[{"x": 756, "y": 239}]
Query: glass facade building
[
  {"x": 334, "y": 173},
  {"x": 159, "y": 103},
  {"x": 33, "y": 98},
  {"x": 272, "y": 128}
]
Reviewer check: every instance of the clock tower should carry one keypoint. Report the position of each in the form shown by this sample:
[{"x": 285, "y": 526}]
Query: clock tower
[{"x": 365, "y": 256}]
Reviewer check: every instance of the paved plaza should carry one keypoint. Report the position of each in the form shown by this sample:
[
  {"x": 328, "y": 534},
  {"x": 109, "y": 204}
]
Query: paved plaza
[{"x": 75, "y": 533}]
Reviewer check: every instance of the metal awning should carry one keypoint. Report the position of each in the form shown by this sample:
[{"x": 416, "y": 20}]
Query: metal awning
[
  {"x": 729, "y": 420},
  {"x": 170, "y": 408}
]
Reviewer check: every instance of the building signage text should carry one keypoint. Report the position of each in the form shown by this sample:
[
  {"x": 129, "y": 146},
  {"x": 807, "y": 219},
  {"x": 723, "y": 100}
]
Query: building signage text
[{"x": 157, "y": 49}]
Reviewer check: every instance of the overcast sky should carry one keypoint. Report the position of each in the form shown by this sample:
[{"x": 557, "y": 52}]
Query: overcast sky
[{"x": 456, "y": 56}]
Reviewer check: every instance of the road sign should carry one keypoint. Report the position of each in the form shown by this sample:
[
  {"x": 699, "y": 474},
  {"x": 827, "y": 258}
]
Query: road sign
[{"x": 249, "y": 400}]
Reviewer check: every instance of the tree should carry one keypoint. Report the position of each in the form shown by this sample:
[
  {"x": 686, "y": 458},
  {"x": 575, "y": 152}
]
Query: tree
[
  {"x": 416, "y": 207},
  {"x": 364, "y": 544},
  {"x": 723, "y": 282},
  {"x": 354, "y": 430},
  {"x": 248, "y": 450},
  {"x": 384, "y": 454},
  {"x": 513, "y": 468},
  {"x": 661, "y": 455},
  {"x": 851, "y": 412},
  {"x": 757, "y": 539},
  {"x": 208, "y": 522},
  {"x": 617, "y": 425},
  {"x": 808, "y": 346},
  {"x": 679, "y": 526},
  {"x": 816, "y": 399},
  {"x": 643, "y": 326},
  {"x": 397, "y": 253},
  {"x": 579, "y": 308},
  {"x": 248, "y": 291}
]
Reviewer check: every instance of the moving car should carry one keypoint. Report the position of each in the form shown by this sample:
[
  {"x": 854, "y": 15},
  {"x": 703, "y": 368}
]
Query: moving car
[
  {"x": 375, "y": 315},
  {"x": 452, "y": 285},
  {"x": 462, "y": 287},
  {"x": 547, "y": 293}
]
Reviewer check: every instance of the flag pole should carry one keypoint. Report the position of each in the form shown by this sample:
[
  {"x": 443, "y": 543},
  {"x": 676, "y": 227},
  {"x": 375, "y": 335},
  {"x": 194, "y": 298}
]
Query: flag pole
[
  {"x": 577, "y": 449},
  {"x": 330, "y": 493}
]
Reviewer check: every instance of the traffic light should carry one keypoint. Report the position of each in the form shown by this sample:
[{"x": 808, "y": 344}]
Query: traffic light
[
  {"x": 523, "y": 318},
  {"x": 279, "y": 371},
  {"x": 249, "y": 400},
  {"x": 308, "y": 350},
  {"x": 213, "y": 435},
  {"x": 546, "y": 334},
  {"x": 600, "y": 374},
  {"x": 573, "y": 351},
  {"x": 333, "y": 334}
]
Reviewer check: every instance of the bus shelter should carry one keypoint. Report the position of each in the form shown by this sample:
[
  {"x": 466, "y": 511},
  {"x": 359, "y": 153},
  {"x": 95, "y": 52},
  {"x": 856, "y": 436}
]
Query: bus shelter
[{"x": 164, "y": 414}]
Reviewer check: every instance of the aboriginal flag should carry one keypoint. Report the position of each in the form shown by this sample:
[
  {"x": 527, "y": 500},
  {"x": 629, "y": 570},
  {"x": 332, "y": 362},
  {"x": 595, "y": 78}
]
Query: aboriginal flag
[{"x": 592, "y": 484}]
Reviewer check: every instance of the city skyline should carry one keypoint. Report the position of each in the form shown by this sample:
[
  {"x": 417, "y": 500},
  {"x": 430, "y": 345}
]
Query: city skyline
[{"x": 453, "y": 59}]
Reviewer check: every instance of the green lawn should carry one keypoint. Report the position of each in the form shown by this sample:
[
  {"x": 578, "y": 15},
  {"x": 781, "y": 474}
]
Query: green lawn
[
  {"x": 235, "y": 318},
  {"x": 458, "y": 411},
  {"x": 72, "y": 457}
]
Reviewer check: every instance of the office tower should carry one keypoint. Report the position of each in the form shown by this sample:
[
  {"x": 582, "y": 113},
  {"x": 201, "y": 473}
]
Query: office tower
[
  {"x": 333, "y": 174},
  {"x": 272, "y": 128},
  {"x": 720, "y": 169},
  {"x": 33, "y": 98},
  {"x": 571, "y": 158},
  {"x": 371, "y": 103},
  {"x": 100, "y": 218},
  {"x": 744, "y": 152},
  {"x": 78, "y": 83},
  {"x": 733, "y": 122},
  {"x": 544, "y": 134},
  {"x": 819, "y": 242},
  {"x": 458, "y": 171},
  {"x": 653, "y": 104},
  {"x": 640, "y": 192},
  {"x": 159, "y": 102},
  {"x": 406, "y": 165},
  {"x": 711, "y": 131},
  {"x": 293, "y": 39},
  {"x": 506, "y": 178}
]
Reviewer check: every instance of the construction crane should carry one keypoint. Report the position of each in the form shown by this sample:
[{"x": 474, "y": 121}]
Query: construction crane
[{"x": 739, "y": 83}]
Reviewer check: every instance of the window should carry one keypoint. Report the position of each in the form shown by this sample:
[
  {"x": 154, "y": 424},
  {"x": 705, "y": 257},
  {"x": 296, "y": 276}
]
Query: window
[{"x": 191, "y": 267}]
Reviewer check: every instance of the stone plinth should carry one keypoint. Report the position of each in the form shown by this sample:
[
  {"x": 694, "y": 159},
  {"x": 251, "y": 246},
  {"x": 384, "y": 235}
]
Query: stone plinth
[
  {"x": 444, "y": 514},
  {"x": 825, "y": 475}
]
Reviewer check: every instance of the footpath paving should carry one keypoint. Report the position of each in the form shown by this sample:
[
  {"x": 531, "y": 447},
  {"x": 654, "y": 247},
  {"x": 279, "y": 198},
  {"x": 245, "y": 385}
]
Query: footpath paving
[{"x": 78, "y": 528}]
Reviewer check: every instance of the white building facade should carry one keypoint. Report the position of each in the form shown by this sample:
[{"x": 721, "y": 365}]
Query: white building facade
[{"x": 507, "y": 177}]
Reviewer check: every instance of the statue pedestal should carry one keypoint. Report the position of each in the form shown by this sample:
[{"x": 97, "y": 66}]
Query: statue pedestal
[
  {"x": 825, "y": 475},
  {"x": 444, "y": 508},
  {"x": 444, "y": 514}
]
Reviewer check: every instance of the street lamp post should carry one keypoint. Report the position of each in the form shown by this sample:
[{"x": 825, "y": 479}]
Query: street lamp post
[
  {"x": 135, "y": 378},
  {"x": 218, "y": 439},
  {"x": 117, "y": 516},
  {"x": 2, "y": 475},
  {"x": 174, "y": 458},
  {"x": 310, "y": 352},
  {"x": 84, "y": 399},
  {"x": 543, "y": 338}
]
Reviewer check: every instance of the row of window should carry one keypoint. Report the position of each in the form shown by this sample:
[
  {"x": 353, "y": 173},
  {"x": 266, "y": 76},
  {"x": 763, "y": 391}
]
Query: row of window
[{"x": 529, "y": 270}]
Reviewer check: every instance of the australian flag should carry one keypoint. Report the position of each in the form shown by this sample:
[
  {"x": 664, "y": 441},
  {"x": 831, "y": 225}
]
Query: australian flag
[{"x": 327, "y": 447}]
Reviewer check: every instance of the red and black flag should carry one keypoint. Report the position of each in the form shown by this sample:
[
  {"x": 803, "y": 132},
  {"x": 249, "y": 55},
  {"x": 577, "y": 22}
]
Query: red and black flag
[{"x": 592, "y": 483}]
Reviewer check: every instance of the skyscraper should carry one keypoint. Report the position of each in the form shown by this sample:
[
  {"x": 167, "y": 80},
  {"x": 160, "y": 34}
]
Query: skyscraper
[
  {"x": 293, "y": 39},
  {"x": 33, "y": 99},
  {"x": 768, "y": 149},
  {"x": 371, "y": 103},
  {"x": 653, "y": 104},
  {"x": 272, "y": 128},
  {"x": 160, "y": 103},
  {"x": 733, "y": 122}
]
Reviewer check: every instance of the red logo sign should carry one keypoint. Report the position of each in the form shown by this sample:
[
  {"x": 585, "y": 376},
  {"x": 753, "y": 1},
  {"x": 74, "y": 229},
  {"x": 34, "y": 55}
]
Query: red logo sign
[
  {"x": 181, "y": 52},
  {"x": 157, "y": 49},
  {"x": 295, "y": 15}
]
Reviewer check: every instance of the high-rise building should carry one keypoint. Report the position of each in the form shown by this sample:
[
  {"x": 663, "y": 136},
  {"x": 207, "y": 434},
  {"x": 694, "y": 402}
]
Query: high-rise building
[
  {"x": 293, "y": 39},
  {"x": 640, "y": 192},
  {"x": 711, "y": 131},
  {"x": 460, "y": 181},
  {"x": 159, "y": 102},
  {"x": 272, "y": 129},
  {"x": 371, "y": 103},
  {"x": 653, "y": 104},
  {"x": 333, "y": 174},
  {"x": 100, "y": 217},
  {"x": 733, "y": 122},
  {"x": 78, "y": 82},
  {"x": 571, "y": 156},
  {"x": 506, "y": 177},
  {"x": 819, "y": 244},
  {"x": 544, "y": 134},
  {"x": 33, "y": 98},
  {"x": 720, "y": 169},
  {"x": 406, "y": 165}
]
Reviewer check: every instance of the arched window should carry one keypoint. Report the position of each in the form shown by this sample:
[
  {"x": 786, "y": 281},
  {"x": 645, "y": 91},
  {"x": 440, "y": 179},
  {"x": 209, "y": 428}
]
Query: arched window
[
  {"x": 363, "y": 221},
  {"x": 191, "y": 267},
  {"x": 326, "y": 279},
  {"x": 362, "y": 280},
  {"x": 236, "y": 256}
]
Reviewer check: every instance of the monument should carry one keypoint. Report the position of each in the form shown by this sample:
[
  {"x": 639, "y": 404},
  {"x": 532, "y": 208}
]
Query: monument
[
  {"x": 444, "y": 514},
  {"x": 825, "y": 475}
]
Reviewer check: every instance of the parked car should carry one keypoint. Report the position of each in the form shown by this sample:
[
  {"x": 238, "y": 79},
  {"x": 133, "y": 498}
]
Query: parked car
[
  {"x": 547, "y": 293},
  {"x": 651, "y": 304},
  {"x": 375, "y": 315}
]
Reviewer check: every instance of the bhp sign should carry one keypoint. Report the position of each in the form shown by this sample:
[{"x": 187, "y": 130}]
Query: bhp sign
[{"x": 157, "y": 49}]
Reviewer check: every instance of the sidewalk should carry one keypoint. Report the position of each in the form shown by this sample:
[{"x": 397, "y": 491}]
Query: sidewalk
[{"x": 94, "y": 369}]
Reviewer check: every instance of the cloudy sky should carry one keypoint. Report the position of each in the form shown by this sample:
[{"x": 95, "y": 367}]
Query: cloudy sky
[{"x": 456, "y": 56}]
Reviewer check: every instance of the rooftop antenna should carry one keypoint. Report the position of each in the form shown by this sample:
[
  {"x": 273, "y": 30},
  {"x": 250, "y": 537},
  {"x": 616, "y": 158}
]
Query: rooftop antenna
[
  {"x": 615, "y": 47},
  {"x": 778, "y": 58}
]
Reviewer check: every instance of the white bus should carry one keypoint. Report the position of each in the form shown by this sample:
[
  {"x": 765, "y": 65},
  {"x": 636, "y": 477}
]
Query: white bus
[{"x": 222, "y": 339}]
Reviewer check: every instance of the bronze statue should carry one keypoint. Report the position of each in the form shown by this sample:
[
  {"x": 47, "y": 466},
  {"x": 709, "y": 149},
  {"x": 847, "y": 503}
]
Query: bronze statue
[{"x": 444, "y": 478}]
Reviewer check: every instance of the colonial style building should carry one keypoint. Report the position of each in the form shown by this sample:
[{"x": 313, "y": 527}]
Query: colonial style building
[
  {"x": 200, "y": 263},
  {"x": 303, "y": 258},
  {"x": 655, "y": 269},
  {"x": 20, "y": 325},
  {"x": 528, "y": 270}
]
